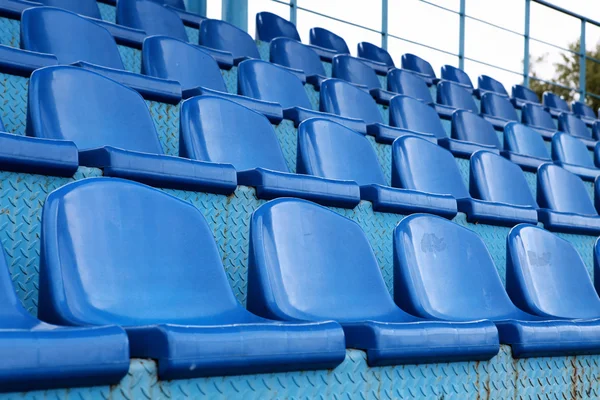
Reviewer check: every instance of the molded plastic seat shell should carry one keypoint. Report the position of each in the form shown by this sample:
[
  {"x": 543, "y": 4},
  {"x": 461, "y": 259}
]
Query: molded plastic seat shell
[
  {"x": 375, "y": 53},
  {"x": 470, "y": 127},
  {"x": 534, "y": 116},
  {"x": 270, "y": 26},
  {"x": 324, "y": 38},
  {"x": 584, "y": 112},
  {"x": 299, "y": 253},
  {"x": 450, "y": 73},
  {"x": 522, "y": 95},
  {"x": 572, "y": 154},
  {"x": 150, "y": 17},
  {"x": 119, "y": 252},
  {"x": 419, "y": 66},
  {"x": 555, "y": 104},
  {"x": 89, "y": 8},
  {"x": 293, "y": 54},
  {"x": 356, "y": 71},
  {"x": 444, "y": 271},
  {"x": 455, "y": 97},
  {"x": 546, "y": 276},
  {"x": 575, "y": 126},
  {"x": 224, "y": 36},
  {"x": 408, "y": 84},
  {"x": 498, "y": 110},
  {"x": 524, "y": 146},
  {"x": 69, "y": 37},
  {"x": 488, "y": 84}
]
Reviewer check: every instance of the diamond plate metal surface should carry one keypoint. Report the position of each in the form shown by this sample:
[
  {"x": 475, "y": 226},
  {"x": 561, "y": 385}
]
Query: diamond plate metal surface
[
  {"x": 313, "y": 96},
  {"x": 107, "y": 12},
  {"x": 22, "y": 197},
  {"x": 447, "y": 124},
  {"x": 384, "y": 155},
  {"x": 287, "y": 135},
  {"x": 132, "y": 58},
  {"x": 10, "y": 32},
  {"x": 531, "y": 178},
  {"x": 166, "y": 120},
  {"x": 433, "y": 91},
  {"x": 327, "y": 67},
  {"x": 230, "y": 77},
  {"x": 548, "y": 146},
  {"x": 192, "y": 34},
  {"x": 13, "y": 103},
  {"x": 464, "y": 167},
  {"x": 477, "y": 102},
  {"x": 585, "y": 247},
  {"x": 518, "y": 114},
  {"x": 382, "y": 81},
  {"x": 385, "y": 113},
  {"x": 589, "y": 186},
  {"x": 264, "y": 50}
]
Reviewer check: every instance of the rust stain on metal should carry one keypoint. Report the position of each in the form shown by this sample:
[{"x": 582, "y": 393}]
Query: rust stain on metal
[{"x": 574, "y": 379}]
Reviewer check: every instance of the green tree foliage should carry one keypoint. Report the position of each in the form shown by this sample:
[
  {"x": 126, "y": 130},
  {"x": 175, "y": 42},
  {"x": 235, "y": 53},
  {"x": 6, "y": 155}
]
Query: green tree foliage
[{"x": 567, "y": 74}]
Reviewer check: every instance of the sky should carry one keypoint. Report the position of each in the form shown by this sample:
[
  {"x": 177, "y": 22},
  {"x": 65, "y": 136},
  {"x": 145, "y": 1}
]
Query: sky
[{"x": 418, "y": 21}]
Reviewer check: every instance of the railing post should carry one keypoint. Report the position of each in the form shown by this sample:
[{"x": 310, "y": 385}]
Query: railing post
[
  {"x": 236, "y": 12},
  {"x": 582, "y": 63},
  {"x": 461, "y": 38},
  {"x": 526, "y": 44},
  {"x": 384, "y": 24},
  {"x": 293, "y": 11}
]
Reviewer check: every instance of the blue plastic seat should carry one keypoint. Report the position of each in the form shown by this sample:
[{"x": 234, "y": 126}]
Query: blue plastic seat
[
  {"x": 180, "y": 4},
  {"x": 309, "y": 263},
  {"x": 70, "y": 37},
  {"x": 565, "y": 205},
  {"x": 573, "y": 125},
  {"x": 342, "y": 98},
  {"x": 572, "y": 154},
  {"x": 96, "y": 122},
  {"x": 293, "y": 54},
  {"x": 324, "y": 38},
  {"x": 456, "y": 75},
  {"x": 270, "y": 26},
  {"x": 454, "y": 97},
  {"x": 584, "y": 112},
  {"x": 408, "y": 84},
  {"x": 217, "y": 130},
  {"x": 224, "y": 36},
  {"x": 470, "y": 127},
  {"x": 181, "y": 312},
  {"x": 354, "y": 70},
  {"x": 375, "y": 53},
  {"x": 555, "y": 104},
  {"x": 534, "y": 116},
  {"x": 89, "y": 8},
  {"x": 420, "y": 165},
  {"x": 37, "y": 355},
  {"x": 546, "y": 276},
  {"x": 150, "y": 17},
  {"x": 488, "y": 84},
  {"x": 522, "y": 95},
  {"x": 419, "y": 66},
  {"x": 444, "y": 271},
  {"x": 524, "y": 147},
  {"x": 330, "y": 150},
  {"x": 498, "y": 110},
  {"x": 494, "y": 178},
  {"x": 255, "y": 80}
]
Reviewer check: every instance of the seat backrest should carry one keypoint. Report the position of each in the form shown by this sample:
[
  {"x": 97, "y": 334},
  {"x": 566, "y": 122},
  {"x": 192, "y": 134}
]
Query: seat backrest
[
  {"x": 570, "y": 150},
  {"x": 535, "y": 115},
  {"x": 573, "y": 125},
  {"x": 546, "y": 276},
  {"x": 412, "y": 114},
  {"x": 424, "y": 166},
  {"x": 353, "y": 70},
  {"x": 69, "y": 37},
  {"x": 494, "y": 178},
  {"x": 311, "y": 263},
  {"x": 330, "y": 150},
  {"x": 343, "y": 98},
  {"x": 498, "y": 106},
  {"x": 451, "y": 94},
  {"x": 456, "y": 75},
  {"x": 293, "y": 54},
  {"x": 89, "y": 8},
  {"x": 490, "y": 84},
  {"x": 470, "y": 127},
  {"x": 417, "y": 64},
  {"x": 270, "y": 26},
  {"x": 552, "y": 100},
  {"x": 224, "y": 36},
  {"x": 521, "y": 139},
  {"x": 168, "y": 58},
  {"x": 525, "y": 94},
  {"x": 563, "y": 191},
  {"x": 150, "y": 17},
  {"x": 409, "y": 84},
  {"x": 583, "y": 110},
  {"x": 119, "y": 252},
  {"x": 180, "y": 4},
  {"x": 323, "y": 38},
  {"x": 222, "y": 131},
  {"x": 70, "y": 103},
  {"x": 375, "y": 53},
  {"x": 256, "y": 79},
  {"x": 444, "y": 271}
]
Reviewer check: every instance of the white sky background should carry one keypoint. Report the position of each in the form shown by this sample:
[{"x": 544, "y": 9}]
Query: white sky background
[{"x": 416, "y": 21}]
